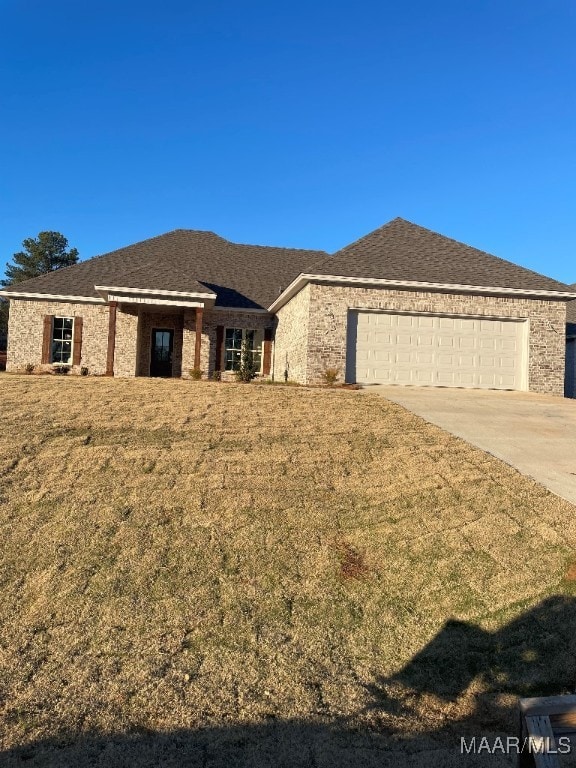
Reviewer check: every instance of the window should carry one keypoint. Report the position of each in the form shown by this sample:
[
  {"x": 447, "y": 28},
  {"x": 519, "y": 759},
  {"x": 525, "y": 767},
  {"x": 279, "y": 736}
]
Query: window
[
  {"x": 233, "y": 347},
  {"x": 62, "y": 337}
]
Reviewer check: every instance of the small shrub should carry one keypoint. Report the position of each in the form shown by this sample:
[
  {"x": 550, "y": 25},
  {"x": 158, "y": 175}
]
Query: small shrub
[
  {"x": 247, "y": 370},
  {"x": 29, "y": 368},
  {"x": 84, "y": 370},
  {"x": 216, "y": 375},
  {"x": 330, "y": 376},
  {"x": 61, "y": 370},
  {"x": 196, "y": 374}
]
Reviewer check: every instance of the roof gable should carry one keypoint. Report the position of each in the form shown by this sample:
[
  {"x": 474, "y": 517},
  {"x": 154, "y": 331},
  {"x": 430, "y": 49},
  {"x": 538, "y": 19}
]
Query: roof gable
[{"x": 407, "y": 252}]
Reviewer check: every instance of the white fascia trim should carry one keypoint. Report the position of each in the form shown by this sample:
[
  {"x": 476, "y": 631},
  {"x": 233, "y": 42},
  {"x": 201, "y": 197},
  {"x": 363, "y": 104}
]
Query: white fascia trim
[
  {"x": 156, "y": 302},
  {"x": 241, "y": 309},
  {"x": 154, "y": 292},
  {"x": 50, "y": 297},
  {"x": 297, "y": 284}
]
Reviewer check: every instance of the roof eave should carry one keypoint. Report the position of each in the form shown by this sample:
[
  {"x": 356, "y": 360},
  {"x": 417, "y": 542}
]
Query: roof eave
[
  {"x": 105, "y": 290},
  {"x": 51, "y": 297}
]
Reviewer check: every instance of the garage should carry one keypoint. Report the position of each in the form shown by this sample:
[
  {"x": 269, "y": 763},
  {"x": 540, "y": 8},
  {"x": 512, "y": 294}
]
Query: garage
[{"x": 437, "y": 350}]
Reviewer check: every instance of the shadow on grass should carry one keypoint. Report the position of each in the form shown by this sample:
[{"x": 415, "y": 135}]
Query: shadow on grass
[{"x": 532, "y": 655}]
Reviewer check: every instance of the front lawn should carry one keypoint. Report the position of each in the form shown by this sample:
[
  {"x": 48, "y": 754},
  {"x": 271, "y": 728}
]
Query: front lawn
[{"x": 253, "y": 574}]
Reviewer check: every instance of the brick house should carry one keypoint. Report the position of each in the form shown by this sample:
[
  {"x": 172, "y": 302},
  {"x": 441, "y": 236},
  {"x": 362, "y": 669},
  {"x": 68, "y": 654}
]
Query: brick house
[{"x": 402, "y": 305}]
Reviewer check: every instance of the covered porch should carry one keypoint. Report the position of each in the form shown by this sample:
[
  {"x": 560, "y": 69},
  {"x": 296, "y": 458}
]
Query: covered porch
[
  {"x": 167, "y": 336},
  {"x": 170, "y": 342},
  {"x": 152, "y": 333}
]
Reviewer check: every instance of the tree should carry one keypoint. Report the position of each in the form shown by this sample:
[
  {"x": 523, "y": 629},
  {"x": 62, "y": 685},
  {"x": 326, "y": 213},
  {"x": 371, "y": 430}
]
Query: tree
[{"x": 41, "y": 254}]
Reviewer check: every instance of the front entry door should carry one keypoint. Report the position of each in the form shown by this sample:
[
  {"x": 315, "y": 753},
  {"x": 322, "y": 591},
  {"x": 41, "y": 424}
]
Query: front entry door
[{"x": 161, "y": 357}]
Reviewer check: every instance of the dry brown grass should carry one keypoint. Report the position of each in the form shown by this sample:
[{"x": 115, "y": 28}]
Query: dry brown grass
[{"x": 178, "y": 555}]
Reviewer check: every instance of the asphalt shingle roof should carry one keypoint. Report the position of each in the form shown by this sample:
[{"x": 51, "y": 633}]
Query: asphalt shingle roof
[
  {"x": 191, "y": 261},
  {"x": 401, "y": 250},
  {"x": 253, "y": 276}
]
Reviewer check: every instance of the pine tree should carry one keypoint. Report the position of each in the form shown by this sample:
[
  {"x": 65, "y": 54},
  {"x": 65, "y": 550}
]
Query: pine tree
[{"x": 41, "y": 254}]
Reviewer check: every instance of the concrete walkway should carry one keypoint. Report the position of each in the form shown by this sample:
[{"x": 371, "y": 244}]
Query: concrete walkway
[{"x": 536, "y": 434}]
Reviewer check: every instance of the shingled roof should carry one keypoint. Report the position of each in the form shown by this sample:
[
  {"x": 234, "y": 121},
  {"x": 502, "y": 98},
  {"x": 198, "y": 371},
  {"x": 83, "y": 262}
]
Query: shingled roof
[
  {"x": 191, "y": 261},
  {"x": 253, "y": 276},
  {"x": 407, "y": 252}
]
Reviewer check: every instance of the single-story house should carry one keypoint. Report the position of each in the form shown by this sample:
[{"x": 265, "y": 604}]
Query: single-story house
[
  {"x": 570, "y": 388},
  {"x": 402, "y": 305}
]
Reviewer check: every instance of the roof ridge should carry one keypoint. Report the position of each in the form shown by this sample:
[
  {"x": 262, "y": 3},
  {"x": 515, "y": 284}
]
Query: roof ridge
[
  {"x": 204, "y": 232},
  {"x": 278, "y": 247},
  {"x": 154, "y": 237}
]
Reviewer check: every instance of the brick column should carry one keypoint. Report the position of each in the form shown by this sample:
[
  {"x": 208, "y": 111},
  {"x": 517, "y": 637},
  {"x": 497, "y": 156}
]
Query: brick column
[
  {"x": 198, "y": 344},
  {"x": 111, "y": 338}
]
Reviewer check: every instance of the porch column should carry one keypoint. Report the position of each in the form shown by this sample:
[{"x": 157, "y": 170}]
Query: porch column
[
  {"x": 198, "y": 345},
  {"x": 111, "y": 338}
]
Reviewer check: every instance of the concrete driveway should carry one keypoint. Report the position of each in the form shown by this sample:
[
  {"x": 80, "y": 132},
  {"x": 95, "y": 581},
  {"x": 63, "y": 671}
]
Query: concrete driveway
[{"x": 536, "y": 434}]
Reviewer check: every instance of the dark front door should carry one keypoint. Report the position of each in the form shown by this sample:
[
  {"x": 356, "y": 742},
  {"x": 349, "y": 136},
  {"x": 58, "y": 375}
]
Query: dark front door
[{"x": 161, "y": 357}]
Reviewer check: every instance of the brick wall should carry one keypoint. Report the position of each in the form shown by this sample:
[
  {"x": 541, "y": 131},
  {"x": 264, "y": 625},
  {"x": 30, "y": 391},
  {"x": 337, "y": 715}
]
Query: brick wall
[
  {"x": 310, "y": 333},
  {"x": 328, "y": 316},
  {"x": 291, "y": 338},
  {"x": 133, "y": 335},
  {"x": 26, "y": 328},
  {"x": 125, "y": 350},
  {"x": 228, "y": 319}
]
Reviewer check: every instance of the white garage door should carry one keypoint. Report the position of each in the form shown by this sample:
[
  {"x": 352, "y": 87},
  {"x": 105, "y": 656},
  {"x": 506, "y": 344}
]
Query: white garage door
[{"x": 436, "y": 350}]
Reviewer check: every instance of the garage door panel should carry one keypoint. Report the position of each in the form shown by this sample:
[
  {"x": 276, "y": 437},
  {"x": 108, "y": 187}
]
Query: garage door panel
[
  {"x": 383, "y": 355},
  {"x": 438, "y": 350}
]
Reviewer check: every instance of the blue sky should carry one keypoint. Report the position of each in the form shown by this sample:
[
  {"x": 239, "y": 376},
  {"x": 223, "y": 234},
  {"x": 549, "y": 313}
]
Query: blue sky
[{"x": 291, "y": 123}]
